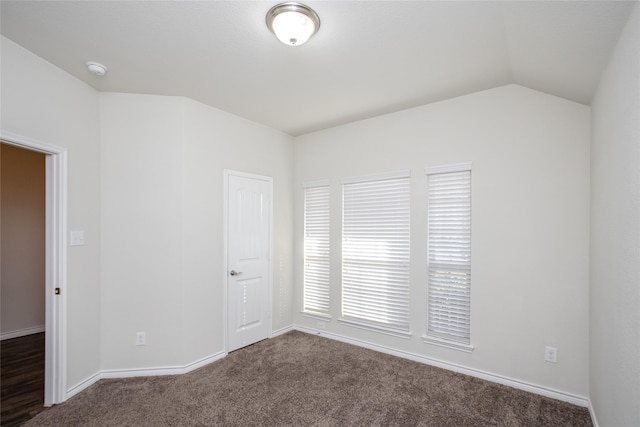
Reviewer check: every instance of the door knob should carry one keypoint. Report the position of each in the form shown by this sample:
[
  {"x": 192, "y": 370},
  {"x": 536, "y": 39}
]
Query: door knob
[{"x": 235, "y": 273}]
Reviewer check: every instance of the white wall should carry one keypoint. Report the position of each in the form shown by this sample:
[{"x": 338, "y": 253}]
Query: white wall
[
  {"x": 530, "y": 230},
  {"x": 141, "y": 254},
  {"x": 161, "y": 274},
  {"x": 215, "y": 141},
  {"x": 615, "y": 235},
  {"x": 23, "y": 213},
  {"x": 155, "y": 236},
  {"x": 162, "y": 256},
  {"x": 42, "y": 102}
]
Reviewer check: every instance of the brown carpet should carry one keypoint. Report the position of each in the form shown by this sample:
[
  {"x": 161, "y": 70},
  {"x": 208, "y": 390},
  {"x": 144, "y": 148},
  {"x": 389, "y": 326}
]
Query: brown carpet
[{"x": 299, "y": 379}]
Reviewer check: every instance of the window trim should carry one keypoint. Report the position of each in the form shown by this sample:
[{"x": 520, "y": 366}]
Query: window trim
[
  {"x": 363, "y": 323},
  {"x": 317, "y": 183},
  {"x": 314, "y": 314},
  {"x": 405, "y": 173},
  {"x": 426, "y": 337},
  {"x": 453, "y": 167},
  {"x": 429, "y": 339}
]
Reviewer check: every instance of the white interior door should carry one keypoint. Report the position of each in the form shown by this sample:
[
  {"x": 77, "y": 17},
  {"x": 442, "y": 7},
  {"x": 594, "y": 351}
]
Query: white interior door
[{"x": 248, "y": 259}]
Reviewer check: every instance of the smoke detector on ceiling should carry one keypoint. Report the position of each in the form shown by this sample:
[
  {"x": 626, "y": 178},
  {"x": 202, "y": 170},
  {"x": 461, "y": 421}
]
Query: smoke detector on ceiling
[{"x": 97, "y": 68}]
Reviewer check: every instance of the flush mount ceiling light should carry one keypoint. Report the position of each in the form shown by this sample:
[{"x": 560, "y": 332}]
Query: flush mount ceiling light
[
  {"x": 97, "y": 68},
  {"x": 292, "y": 23}
]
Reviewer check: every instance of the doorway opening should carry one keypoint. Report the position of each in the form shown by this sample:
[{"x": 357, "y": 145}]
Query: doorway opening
[
  {"x": 55, "y": 270},
  {"x": 23, "y": 220}
]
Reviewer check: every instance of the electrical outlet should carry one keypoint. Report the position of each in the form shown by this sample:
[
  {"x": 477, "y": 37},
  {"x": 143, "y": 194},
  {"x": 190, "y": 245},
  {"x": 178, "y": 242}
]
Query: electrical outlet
[
  {"x": 551, "y": 354},
  {"x": 141, "y": 339},
  {"x": 321, "y": 325}
]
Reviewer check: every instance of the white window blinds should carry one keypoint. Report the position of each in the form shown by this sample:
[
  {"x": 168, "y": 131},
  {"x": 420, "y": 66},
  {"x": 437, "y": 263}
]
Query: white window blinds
[
  {"x": 316, "y": 249},
  {"x": 375, "y": 251},
  {"x": 449, "y": 253}
]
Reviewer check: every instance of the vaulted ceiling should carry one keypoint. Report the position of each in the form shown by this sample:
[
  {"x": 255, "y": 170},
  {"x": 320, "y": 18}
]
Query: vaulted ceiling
[{"x": 369, "y": 57}]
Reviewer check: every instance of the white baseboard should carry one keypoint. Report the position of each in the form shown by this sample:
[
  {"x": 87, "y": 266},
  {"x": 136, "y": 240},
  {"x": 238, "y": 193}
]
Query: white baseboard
[
  {"x": 282, "y": 331},
  {"x": 144, "y": 372},
  {"x": 499, "y": 379},
  {"x": 82, "y": 385},
  {"x": 22, "y": 332},
  {"x": 592, "y": 412},
  {"x": 510, "y": 382},
  {"x": 148, "y": 372}
]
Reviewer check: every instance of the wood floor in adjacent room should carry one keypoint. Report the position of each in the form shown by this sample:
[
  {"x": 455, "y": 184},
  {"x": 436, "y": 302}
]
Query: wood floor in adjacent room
[{"x": 22, "y": 377}]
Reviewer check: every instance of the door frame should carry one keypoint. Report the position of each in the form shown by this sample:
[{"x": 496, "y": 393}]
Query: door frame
[
  {"x": 56, "y": 263},
  {"x": 225, "y": 239}
]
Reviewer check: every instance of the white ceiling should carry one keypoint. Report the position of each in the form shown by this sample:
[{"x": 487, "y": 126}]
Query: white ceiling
[{"x": 369, "y": 57}]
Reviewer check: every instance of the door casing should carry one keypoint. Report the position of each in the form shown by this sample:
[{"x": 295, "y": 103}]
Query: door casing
[{"x": 56, "y": 263}]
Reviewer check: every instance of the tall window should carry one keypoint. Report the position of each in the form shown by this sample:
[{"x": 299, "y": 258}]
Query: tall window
[
  {"x": 316, "y": 248},
  {"x": 375, "y": 252},
  {"x": 449, "y": 256}
]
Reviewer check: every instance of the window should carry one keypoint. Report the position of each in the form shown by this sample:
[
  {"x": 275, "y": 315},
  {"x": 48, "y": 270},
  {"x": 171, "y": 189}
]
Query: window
[
  {"x": 449, "y": 256},
  {"x": 316, "y": 248},
  {"x": 375, "y": 252}
]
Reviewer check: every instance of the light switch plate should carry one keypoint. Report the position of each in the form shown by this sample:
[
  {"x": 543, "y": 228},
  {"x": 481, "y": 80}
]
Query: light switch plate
[{"x": 77, "y": 238}]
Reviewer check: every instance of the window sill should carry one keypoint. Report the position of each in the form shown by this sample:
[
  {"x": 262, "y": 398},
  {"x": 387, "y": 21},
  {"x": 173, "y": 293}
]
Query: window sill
[
  {"x": 316, "y": 316},
  {"x": 467, "y": 348},
  {"x": 375, "y": 328}
]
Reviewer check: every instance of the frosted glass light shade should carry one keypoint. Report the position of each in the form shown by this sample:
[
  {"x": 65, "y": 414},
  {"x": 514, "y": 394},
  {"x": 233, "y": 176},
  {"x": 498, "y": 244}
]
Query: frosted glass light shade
[
  {"x": 292, "y": 23},
  {"x": 293, "y": 28}
]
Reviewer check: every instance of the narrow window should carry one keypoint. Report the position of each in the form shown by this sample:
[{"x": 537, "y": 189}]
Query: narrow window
[
  {"x": 375, "y": 252},
  {"x": 316, "y": 249},
  {"x": 449, "y": 256}
]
